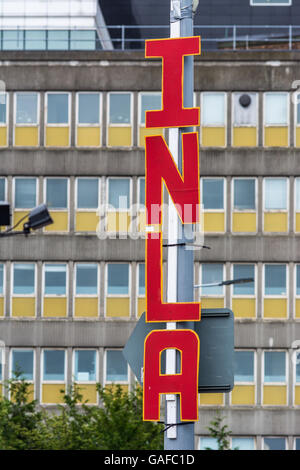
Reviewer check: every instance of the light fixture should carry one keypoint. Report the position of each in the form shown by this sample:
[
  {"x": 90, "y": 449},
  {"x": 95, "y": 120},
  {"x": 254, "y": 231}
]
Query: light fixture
[
  {"x": 38, "y": 218},
  {"x": 227, "y": 283}
]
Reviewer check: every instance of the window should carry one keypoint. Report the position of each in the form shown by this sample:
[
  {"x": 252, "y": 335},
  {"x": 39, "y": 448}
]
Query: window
[
  {"x": 1, "y": 283},
  {"x": 26, "y": 108},
  {"x": 275, "y": 193},
  {"x": 212, "y": 274},
  {"x": 58, "y": 40},
  {"x": 88, "y": 108},
  {"x": 149, "y": 102},
  {"x": 298, "y": 279},
  {"x": 22, "y": 362},
  {"x": 270, "y": 3},
  {"x": 12, "y": 40},
  {"x": 244, "y": 271},
  {"x": 242, "y": 443},
  {"x": 82, "y": 40},
  {"x": 119, "y": 193},
  {"x": 141, "y": 279},
  {"x": 297, "y": 443},
  {"x": 85, "y": 365},
  {"x": 118, "y": 279},
  {"x": 213, "y": 109},
  {"x": 116, "y": 366},
  {"x": 58, "y": 108},
  {"x": 54, "y": 365},
  {"x": 87, "y": 193},
  {"x": 244, "y": 194},
  {"x": 245, "y": 113},
  {"x": 55, "y": 279},
  {"x": 274, "y": 366},
  {"x": 275, "y": 279},
  {"x": 2, "y": 189},
  {"x": 3, "y": 108},
  {"x": 25, "y": 193},
  {"x": 213, "y": 194},
  {"x": 297, "y": 194},
  {"x": 35, "y": 40},
  {"x": 297, "y": 366},
  {"x": 208, "y": 443},
  {"x": 274, "y": 443},
  {"x": 57, "y": 193},
  {"x": 244, "y": 366},
  {"x": 23, "y": 279},
  {"x": 142, "y": 193},
  {"x": 86, "y": 279},
  {"x": 119, "y": 108},
  {"x": 276, "y": 109}
]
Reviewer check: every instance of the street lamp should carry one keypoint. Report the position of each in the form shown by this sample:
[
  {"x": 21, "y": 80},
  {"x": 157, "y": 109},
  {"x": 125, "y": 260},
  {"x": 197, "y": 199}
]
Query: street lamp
[
  {"x": 37, "y": 218},
  {"x": 227, "y": 283}
]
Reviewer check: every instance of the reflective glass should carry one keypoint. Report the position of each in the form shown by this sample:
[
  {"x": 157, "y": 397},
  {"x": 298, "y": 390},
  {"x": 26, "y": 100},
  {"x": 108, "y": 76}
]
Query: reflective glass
[
  {"x": 12, "y": 40},
  {"x": 275, "y": 279},
  {"x": 88, "y": 108},
  {"x": 149, "y": 102},
  {"x": 3, "y": 110},
  {"x": 26, "y": 108},
  {"x": 142, "y": 279},
  {"x": 243, "y": 443},
  {"x": 86, "y": 279},
  {"x": 87, "y": 193},
  {"x": 118, "y": 279},
  {"x": 85, "y": 366},
  {"x": 116, "y": 367},
  {"x": 142, "y": 192},
  {"x": 275, "y": 366},
  {"x": 54, "y": 365},
  {"x": 22, "y": 361},
  {"x": 208, "y": 443},
  {"x": 83, "y": 40},
  {"x": 276, "y": 106},
  {"x": 297, "y": 202},
  {"x": 243, "y": 366},
  {"x": 213, "y": 193},
  {"x": 58, "y": 40},
  {"x": 244, "y": 194},
  {"x": 274, "y": 443},
  {"x": 24, "y": 278},
  {"x": 57, "y": 193},
  {"x": 55, "y": 279},
  {"x": 58, "y": 108},
  {"x": 298, "y": 279},
  {"x": 243, "y": 271},
  {"x": 213, "y": 112},
  {"x": 25, "y": 193},
  {"x": 2, "y": 189},
  {"x": 275, "y": 193},
  {"x": 35, "y": 40},
  {"x": 119, "y": 108},
  {"x": 119, "y": 193},
  {"x": 212, "y": 273},
  {"x": 1, "y": 282}
]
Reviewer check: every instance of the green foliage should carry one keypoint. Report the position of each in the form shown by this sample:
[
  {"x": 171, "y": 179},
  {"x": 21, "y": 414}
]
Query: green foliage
[
  {"x": 114, "y": 425},
  {"x": 220, "y": 432}
]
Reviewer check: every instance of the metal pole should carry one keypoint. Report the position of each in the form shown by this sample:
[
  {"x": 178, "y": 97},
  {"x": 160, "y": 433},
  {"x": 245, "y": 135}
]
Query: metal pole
[{"x": 180, "y": 260}]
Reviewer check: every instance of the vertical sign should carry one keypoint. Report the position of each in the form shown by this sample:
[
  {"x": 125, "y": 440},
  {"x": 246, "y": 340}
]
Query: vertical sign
[{"x": 183, "y": 188}]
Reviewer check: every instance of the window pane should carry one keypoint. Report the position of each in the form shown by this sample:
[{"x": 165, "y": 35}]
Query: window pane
[
  {"x": 119, "y": 193},
  {"x": 275, "y": 193},
  {"x": 212, "y": 273},
  {"x": 243, "y": 271},
  {"x": 245, "y": 116},
  {"x": 25, "y": 193},
  {"x": 13, "y": 40},
  {"x": 244, "y": 194},
  {"x": 3, "y": 104},
  {"x": 297, "y": 443},
  {"x": 148, "y": 103},
  {"x": 244, "y": 366},
  {"x": 119, "y": 108},
  {"x": 213, "y": 194},
  {"x": 58, "y": 40},
  {"x": 24, "y": 278},
  {"x": 118, "y": 279},
  {"x": 142, "y": 192},
  {"x": 35, "y": 40},
  {"x": 116, "y": 367},
  {"x": 297, "y": 202},
  {"x": 85, "y": 366},
  {"x": 213, "y": 112},
  {"x": 87, "y": 193},
  {"x": 83, "y": 40},
  {"x": 58, "y": 108},
  {"x": 298, "y": 279},
  {"x": 274, "y": 366},
  {"x": 276, "y": 108},
  {"x": 88, "y": 108},
  {"x": 2, "y": 189},
  {"x": 26, "y": 108},
  {"x": 243, "y": 443},
  {"x": 55, "y": 279},
  {"x": 142, "y": 279},
  {"x": 275, "y": 279},
  {"x": 297, "y": 358},
  {"x": 86, "y": 279},
  {"x": 1, "y": 285},
  {"x": 22, "y": 361},
  {"x": 274, "y": 443},
  {"x": 208, "y": 443},
  {"x": 273, "y": 2},
  {"x": 54, "y": 365},
  {"x": 57, "y": 193}
]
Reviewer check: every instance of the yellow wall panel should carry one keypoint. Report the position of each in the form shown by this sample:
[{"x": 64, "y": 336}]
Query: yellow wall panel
[
  {"x": 119, "y": 137},
  {"x": 297, "y": 395},
  {"x": 297, "y": 308},
  {"x": 112, "y": 386},
  {"x": 211, "y": 398},
  {"x": 51, "y": 393},
  {"x": 244, "y": 222},
  {"x": 26, "y": 136},
  {"x": 275, "y": 222},
  {"x": 141, "y": 221},
  {"x": 276, "y": 136},
  {"x": 18, "y": 215},
  {"x": 3, "y": 136},
  {"x": 86, "y": 221},
  {"x": 88, "y": 392},
  {"x": 214, "y": 222},
  {"x": 274, "y": 395},
  {"x": 244, "y": 307},
  {"x": 23, "y": 307},
  {"x": 243, "y": 395},
  {"x": 55, "y": 307},
  {"x": 213, "y": 137},
  {"x": 30, "y": 395},
  {"x": 144, "y": 132},
  {"x": 86, "y": 307},
  {"x": 1, "y": 390},
  {"x": 297, "y": 137},
  {"x": 297, "y": 222},
  {"x": 207, "y": 302},
  {"x": 244, "y": 137},
  {"x": 1, "y": 306},
  {"x": 275, "y": 308},
  {"x": 117, "y": 306},
  {"x": 57, "y": 137},
  {"x": 60, "y": 221},
  {"x": 118, "y": 221},
  {"x": 141, "y": 306},
  {"x": 88, "y": 137}
]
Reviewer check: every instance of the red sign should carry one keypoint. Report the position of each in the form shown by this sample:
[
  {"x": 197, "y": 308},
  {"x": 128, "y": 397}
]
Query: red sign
[{"x": 185, "y": 193}]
